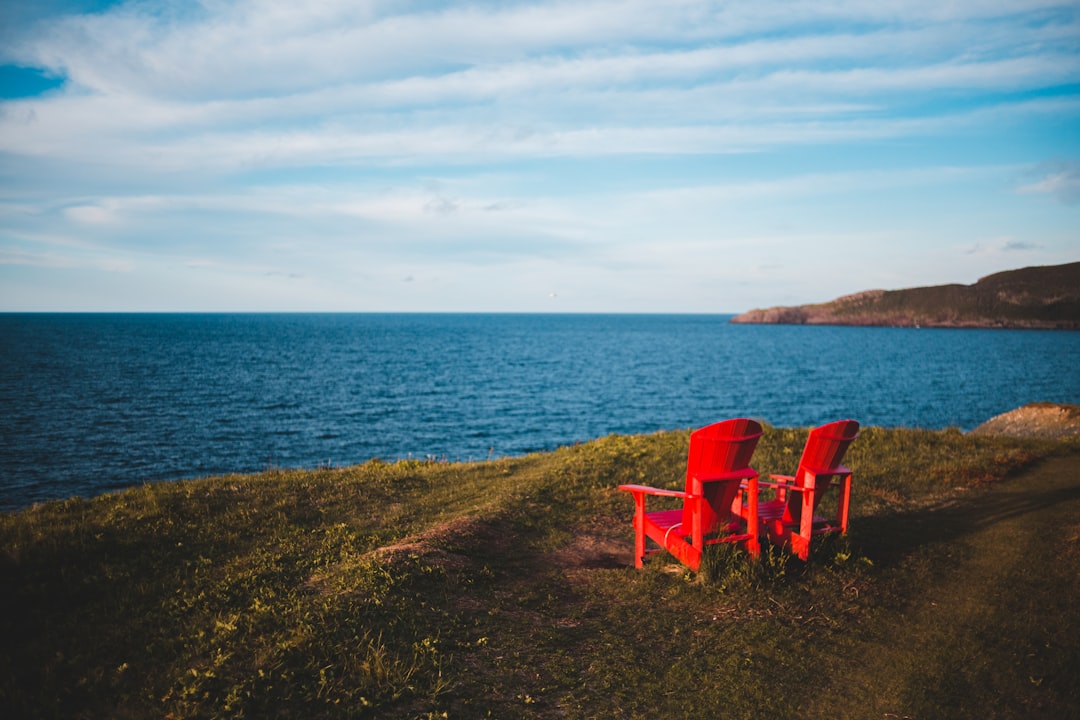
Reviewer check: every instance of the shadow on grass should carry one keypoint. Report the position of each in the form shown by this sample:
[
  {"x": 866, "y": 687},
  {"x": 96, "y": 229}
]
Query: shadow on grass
[{"x": 888, "y": 538}]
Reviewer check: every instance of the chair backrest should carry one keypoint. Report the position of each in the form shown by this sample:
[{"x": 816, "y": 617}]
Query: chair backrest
[
  {"x": 824, "y": 451},
  {"x": 722, "y": 447}
]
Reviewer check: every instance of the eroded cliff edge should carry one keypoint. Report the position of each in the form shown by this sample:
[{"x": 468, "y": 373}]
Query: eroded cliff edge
[{"x": 1045, "y": 297}]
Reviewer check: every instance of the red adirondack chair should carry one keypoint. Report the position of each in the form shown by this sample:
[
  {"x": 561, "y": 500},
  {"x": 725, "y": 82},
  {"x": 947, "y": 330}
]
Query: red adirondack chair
[
  {"x": 790, "y": 518},
  {"x": 718, "y": 461}
]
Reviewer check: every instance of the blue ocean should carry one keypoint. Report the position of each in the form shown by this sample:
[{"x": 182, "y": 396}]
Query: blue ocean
[{"x": 91, "y": 403}]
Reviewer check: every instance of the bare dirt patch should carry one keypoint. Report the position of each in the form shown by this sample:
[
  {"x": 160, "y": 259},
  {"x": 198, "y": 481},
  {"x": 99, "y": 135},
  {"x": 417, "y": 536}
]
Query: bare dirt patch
[
  {"x": 592, "y": 551},
  {"x": 1035, "y": 420},
  {"x": 448, "y": 544}
]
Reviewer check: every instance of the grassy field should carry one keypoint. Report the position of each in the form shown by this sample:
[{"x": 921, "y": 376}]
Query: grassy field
[{"x": 505, "y": 589}]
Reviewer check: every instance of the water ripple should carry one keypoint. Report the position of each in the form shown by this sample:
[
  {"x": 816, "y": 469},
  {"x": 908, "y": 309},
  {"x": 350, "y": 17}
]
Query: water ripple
[{"x": 90, "y": 403}]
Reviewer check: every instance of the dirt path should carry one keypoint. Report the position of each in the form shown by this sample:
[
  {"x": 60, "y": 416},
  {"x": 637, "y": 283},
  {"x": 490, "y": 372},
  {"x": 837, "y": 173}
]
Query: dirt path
[{"x": 993, "y": 611}]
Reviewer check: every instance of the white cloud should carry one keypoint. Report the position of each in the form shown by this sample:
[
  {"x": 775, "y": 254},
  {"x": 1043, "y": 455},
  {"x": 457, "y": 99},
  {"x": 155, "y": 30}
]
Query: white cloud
[
  {"x": 1063, "y": 183},
  {"x": 241, "y": 86},
  {"x": 92, "y": 214},
  {"x": 358, "y": 143},
  {"x": 55, "y": 260},
  {"x": 249, "y": 50}
]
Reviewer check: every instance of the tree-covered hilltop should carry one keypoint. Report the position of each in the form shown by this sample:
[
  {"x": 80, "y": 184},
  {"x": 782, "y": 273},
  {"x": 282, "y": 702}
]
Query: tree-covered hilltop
[{"x": 1035, "y": 297}]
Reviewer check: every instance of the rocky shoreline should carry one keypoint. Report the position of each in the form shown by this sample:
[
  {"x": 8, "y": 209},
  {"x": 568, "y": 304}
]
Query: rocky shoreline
[{"x": 1043, "y": 420}]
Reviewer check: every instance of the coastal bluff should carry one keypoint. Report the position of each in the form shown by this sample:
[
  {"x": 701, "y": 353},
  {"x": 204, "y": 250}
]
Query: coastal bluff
[{"x": 1045, "y": 297}]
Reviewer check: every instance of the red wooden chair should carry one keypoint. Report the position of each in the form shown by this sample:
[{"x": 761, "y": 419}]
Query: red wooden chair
[
  {"x": 719, "y": 460},
  {"x": 790, "y": 518}
]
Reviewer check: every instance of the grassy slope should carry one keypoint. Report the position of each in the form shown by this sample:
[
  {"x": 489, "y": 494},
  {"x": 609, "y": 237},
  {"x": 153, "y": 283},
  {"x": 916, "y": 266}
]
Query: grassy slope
[
  {"x": 998, "y": 620},
  {"x": 503, "y": 589}
]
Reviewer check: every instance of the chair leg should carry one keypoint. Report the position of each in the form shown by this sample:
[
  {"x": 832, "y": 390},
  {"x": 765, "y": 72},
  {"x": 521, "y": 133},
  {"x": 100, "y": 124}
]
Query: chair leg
[
  {"x": 753, "y": 547},
  {"x": 639, "y": 546},
  {"x": 806, "y": 522},
  {"x": 639, "y": 532},
  {"x": 800, "y": 546},
  {"x": 753, "y": 524},
  {"x": 843, "y": 504}
]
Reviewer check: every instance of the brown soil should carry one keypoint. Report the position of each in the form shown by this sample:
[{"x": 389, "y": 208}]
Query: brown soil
[
  {"x": 1035, "y": 420},
  {"x": 593, "y": 551}
]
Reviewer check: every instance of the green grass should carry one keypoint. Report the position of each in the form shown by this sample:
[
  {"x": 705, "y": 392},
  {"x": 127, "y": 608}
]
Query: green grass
[{"x": 504, "y": 589}]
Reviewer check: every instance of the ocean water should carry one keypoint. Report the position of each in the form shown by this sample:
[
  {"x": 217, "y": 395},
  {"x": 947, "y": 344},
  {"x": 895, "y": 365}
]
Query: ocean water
[{"x": 91, "y": 403}]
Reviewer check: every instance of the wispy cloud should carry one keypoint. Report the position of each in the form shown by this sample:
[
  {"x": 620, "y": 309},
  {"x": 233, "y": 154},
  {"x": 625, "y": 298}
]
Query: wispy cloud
[
  {"x": 1002, "y": 245},
  {"x": 1061, "y": 179},
  {"x": 585, "y": 141},
  {"x": 55, "y": 260}
]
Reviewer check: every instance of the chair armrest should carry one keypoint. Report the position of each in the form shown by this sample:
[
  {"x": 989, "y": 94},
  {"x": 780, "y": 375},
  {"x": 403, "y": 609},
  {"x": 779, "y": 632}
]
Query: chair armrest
[
  {"x": 787, "y": 482},
  {"x": 784, "y": 482},
  {"x": 646, "y": 490},
  {"x": 837, "y": 471}
]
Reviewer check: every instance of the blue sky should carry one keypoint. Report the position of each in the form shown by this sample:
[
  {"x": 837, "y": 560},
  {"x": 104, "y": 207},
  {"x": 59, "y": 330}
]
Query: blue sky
[{"x": 579, "y": 156}]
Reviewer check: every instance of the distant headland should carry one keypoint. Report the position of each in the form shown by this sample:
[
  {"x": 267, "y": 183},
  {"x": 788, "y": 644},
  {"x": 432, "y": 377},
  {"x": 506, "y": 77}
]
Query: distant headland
[{"x": 1046, "y": 297}]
